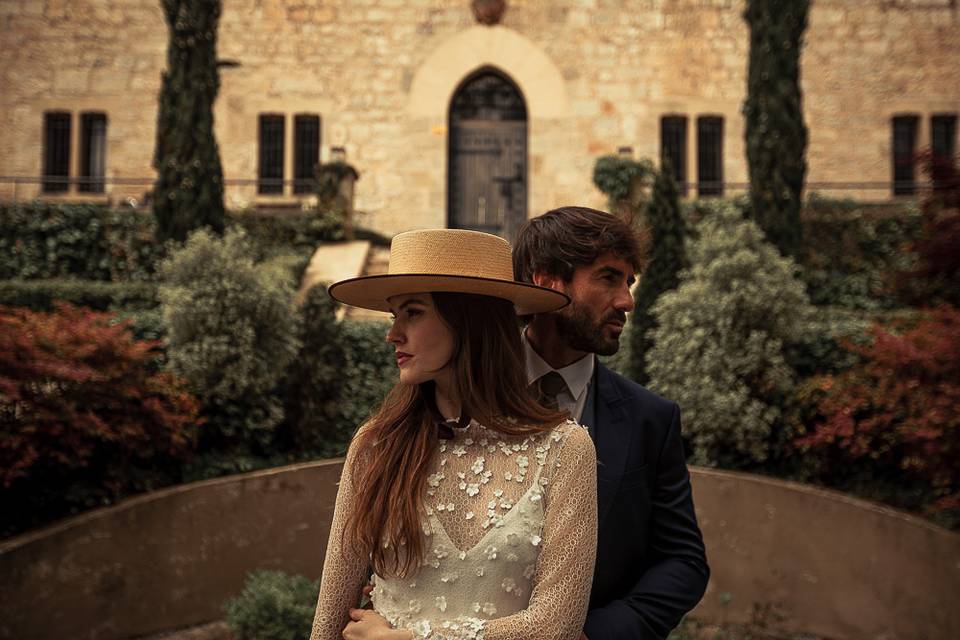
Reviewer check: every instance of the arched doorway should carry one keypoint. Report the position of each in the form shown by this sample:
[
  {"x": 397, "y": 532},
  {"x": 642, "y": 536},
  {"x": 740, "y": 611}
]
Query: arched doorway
[{"x": 487, "y": 155}]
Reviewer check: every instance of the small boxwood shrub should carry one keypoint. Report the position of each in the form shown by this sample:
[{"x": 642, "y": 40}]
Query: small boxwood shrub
[{"x": 273, "y": 606}]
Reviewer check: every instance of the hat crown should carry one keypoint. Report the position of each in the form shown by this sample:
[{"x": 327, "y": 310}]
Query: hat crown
[{"x": 453, "y": 252}]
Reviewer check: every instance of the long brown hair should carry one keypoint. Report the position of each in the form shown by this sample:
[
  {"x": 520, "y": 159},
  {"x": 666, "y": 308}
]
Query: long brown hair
[{"x": 395, "y": 446}]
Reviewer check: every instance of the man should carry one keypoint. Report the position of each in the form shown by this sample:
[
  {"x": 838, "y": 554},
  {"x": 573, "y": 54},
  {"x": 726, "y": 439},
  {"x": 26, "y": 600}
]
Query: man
[{"x": 651, "y": 567}]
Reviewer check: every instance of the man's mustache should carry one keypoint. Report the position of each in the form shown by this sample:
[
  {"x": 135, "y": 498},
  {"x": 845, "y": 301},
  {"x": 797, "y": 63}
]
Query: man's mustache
[{"x": 615, "y": 315}]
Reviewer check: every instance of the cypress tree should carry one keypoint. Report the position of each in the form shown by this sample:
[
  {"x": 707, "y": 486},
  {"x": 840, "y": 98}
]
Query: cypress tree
[
  {"x": 189, "y": 190},
  {"x": 667, "y": 259},
  {"x": 776, "y": 136}
]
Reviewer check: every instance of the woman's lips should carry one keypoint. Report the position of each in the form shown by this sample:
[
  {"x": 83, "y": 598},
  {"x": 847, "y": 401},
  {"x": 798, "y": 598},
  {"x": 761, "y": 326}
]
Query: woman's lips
[{"x": 402, "y": 358}]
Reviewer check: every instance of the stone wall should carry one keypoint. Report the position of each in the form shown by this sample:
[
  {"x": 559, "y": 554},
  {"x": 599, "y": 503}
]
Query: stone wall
[
  {"x": 816, "y": 561},
  {"x": 597, "y": 75}
]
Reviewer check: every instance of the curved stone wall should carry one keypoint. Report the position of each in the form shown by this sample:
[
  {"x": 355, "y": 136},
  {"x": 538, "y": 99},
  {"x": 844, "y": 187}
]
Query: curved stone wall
[{"x": 813, "y": 561}]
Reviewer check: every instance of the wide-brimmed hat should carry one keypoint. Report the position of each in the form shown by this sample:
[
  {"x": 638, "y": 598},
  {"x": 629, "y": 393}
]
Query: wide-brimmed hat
[{"x": 448, "y": 260}]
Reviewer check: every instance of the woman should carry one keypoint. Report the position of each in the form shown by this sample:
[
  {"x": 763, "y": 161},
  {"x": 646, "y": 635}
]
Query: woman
[{"x": 474, "y": 505}]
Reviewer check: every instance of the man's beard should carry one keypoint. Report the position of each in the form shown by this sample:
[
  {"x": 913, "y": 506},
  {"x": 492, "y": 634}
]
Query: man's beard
[{"x": 580, "y": 332}]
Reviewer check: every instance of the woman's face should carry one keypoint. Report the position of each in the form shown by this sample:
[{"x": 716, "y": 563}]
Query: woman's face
[{"x": 423, "y": 341}]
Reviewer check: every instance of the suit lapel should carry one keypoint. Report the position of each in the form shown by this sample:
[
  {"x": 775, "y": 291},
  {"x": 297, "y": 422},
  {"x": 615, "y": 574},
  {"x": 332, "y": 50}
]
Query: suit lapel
[{"x": 611, "y": 438}]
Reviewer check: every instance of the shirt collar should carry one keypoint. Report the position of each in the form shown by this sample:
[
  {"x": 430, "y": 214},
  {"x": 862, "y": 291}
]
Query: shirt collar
[{"x": 577, "y": 375}]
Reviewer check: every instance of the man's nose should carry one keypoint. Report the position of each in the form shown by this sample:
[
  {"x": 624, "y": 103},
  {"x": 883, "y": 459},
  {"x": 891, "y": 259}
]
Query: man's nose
[{"x": 624, "y": 300}]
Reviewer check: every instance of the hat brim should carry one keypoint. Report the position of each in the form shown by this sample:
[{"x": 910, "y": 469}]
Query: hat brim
[{"x": 372, "y": 292}]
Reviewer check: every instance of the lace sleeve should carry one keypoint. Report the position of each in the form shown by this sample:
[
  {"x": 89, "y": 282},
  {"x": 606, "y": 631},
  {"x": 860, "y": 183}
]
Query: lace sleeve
[
  {"x": 561, "y": 590},
  {"x": 344, "y": 572}
]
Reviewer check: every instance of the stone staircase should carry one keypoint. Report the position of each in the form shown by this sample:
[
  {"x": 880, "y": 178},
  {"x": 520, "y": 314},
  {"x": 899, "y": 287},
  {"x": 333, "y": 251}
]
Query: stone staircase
[{"x": 378, "y": 261}]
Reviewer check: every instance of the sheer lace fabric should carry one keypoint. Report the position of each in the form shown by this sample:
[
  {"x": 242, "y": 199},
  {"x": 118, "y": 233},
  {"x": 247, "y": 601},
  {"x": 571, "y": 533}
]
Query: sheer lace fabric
[{"x": 509, "y": 529}]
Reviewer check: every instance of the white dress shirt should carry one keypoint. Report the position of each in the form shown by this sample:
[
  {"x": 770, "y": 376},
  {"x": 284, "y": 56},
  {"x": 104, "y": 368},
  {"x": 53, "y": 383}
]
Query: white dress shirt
[{"x": 577, "y": 376}]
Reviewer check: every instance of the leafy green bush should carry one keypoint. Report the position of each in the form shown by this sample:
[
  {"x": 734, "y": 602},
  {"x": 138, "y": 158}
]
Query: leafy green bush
[
  {"x": 851, "y": 252},
  {"x": 315, "y": 378},
  {"x": 616, "y": 176},
  {"x": 719, "y": 347},
  {"x": 370, "y": 371},
  {"x": 302, "y": 232},
  {"x": 667, "y": 259},
  {"x": 48, "y": 240},
  {"x": 40, "y": 295},
  {"x": 273, "y": 606},
  {"x": 231, "y": 333}
]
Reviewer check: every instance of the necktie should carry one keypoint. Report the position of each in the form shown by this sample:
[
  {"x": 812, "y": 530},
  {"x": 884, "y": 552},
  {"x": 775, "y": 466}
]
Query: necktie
[{"x": 548, "y": 387}]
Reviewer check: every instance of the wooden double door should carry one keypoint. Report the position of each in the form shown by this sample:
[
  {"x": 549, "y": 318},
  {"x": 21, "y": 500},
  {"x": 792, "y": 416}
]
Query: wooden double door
[{"x": 487, "y": 169}]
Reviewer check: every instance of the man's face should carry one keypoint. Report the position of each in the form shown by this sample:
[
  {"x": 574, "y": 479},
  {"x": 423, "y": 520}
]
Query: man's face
[{"x": 599, "y": 301}]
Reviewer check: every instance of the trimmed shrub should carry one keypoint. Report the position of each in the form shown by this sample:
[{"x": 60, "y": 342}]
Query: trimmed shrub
[
  {"x": 316, "y": 377},
  {"x": 370, "y": 371},
  {"x": 231, "y": 333},
  {"x": 662, "y": 273},
  {"x": 851, "y": 251},
  {"x": 43, "y": 240},
  {"x": 718, "y": 349},
  {"x": 280, "y": 232},
  {"x": 85, "y": 419},
  {"x": 617, "y": 177},
  {"x": 898, "y": 412},
  {"x": 40, "y": 295},
  {"x": 273, "y": 606}
]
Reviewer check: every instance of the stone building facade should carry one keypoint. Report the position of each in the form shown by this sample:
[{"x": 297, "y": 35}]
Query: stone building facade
[{"x": 417, "y": 94}]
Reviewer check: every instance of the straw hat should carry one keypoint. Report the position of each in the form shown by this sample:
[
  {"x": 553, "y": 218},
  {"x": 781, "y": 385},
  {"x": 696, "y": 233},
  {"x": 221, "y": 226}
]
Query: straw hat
[{"x": 453, "y": 260}]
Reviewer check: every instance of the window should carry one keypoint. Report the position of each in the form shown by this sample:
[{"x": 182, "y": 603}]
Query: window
[
  {"x": 710, "y": 156},
  {"x": 943, "y": 136},
  {"x": 673, "y": 149},
  {"x": 56, "y": 151},
  {"x": 93, "y": 152},
  {"x": 270, "y": 166},
  {"x": 306, "y": 152},
  {"x": 904, "y": 155}
]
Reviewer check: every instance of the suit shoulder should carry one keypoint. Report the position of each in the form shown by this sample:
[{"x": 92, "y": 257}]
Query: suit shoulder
[{"x": 640, "y": 394}]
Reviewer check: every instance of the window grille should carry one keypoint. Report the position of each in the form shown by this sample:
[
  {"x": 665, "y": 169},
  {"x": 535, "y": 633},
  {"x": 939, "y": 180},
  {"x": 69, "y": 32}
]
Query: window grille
[
  {"x": 56, "y": 151},
  {"x": 270, "y": 166},
  {"x": 904, "y": 155},
  {"x": 306, "y": 152},
  {"x": 710, "y": 156},
  {"x": 93, "y": 152},
  {"x": 673, "y": 149}
]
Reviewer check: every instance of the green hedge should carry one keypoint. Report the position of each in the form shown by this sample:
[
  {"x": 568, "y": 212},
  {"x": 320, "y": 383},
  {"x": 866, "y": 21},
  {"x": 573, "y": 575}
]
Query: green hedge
[
  {"x": 48, "y": 240},
  {"x": 40, "y": 295}
]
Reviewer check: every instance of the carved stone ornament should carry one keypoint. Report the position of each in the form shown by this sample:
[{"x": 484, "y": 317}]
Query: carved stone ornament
[{"x": 488, "y": 12}]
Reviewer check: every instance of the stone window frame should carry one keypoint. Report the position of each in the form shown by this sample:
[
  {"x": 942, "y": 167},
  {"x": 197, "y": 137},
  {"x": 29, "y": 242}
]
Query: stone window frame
[
  {"x": 710, "y": 156},
  {"x": 674, "y": 125},
  {"x": 71, "y": 184},
  {"x": 904, "y": 132}
]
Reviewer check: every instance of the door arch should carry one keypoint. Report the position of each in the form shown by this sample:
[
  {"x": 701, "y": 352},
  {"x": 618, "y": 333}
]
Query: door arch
[{"x": 487, "y": 155}]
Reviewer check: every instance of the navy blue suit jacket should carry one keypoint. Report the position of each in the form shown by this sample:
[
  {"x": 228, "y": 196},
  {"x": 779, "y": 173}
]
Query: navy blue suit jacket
[{"x": 651, "y": 566}]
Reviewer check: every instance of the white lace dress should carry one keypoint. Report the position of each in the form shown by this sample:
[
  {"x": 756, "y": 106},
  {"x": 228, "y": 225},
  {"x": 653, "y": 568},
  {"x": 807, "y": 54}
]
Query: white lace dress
[{"x": 509, "y": 542}]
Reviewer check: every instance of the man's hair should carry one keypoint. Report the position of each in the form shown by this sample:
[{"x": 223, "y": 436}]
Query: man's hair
[{"x": 561, "y": 240}]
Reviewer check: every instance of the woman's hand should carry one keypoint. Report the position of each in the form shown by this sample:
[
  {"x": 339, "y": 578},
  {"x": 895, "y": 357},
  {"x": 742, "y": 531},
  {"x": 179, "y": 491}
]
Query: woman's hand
[{"x": 369, "y": 625}]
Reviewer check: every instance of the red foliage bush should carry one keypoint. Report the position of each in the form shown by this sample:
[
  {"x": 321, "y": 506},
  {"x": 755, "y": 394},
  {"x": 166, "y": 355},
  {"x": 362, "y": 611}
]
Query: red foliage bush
[
  {"x": 899, "y": 408},
  {"x": 79, "y": 397}
]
